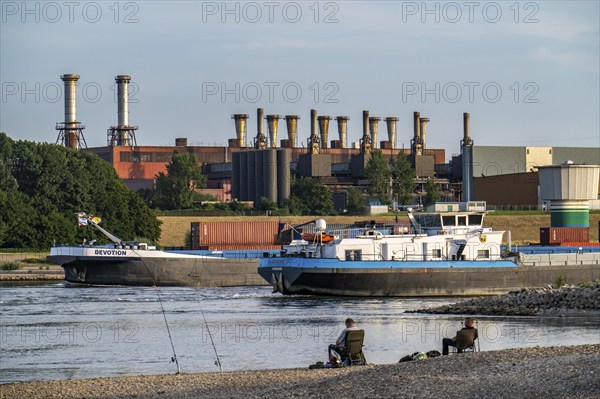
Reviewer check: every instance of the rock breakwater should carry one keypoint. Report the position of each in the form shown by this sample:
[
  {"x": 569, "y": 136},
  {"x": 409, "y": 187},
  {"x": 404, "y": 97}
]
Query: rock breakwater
[{"x": 579, "y": 300}]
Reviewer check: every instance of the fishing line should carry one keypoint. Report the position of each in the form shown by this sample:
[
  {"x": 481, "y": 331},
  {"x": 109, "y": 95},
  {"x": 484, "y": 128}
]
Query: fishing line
[
  {"x": 174, "y": 357},
  {"x": 218, "y": 361}
]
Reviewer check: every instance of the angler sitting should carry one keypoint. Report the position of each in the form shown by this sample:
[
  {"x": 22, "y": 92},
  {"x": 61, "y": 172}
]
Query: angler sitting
[
  {"x": 469, "y": 329},
  {"x": 348, "y": 346}
]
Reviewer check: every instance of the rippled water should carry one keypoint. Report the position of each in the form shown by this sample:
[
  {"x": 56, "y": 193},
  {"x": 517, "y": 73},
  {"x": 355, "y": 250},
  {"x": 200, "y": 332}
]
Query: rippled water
[{"x": 57, "y": 331}]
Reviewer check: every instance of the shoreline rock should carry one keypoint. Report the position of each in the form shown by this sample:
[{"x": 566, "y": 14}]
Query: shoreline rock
[
  {"x": 557, "y": 372},
  {"x": 579, "y": 300}
]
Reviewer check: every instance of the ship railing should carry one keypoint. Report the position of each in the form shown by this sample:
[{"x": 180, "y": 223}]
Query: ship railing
[{"x": 393, "y": 229}]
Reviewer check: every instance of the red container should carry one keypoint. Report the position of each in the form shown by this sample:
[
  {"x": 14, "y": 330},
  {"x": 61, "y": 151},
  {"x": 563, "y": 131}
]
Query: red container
[
  {"x": 558, "y": 235},
  {"x": 241, "y": 247},
  {"x": 580, "y": 244},
  {"x": 237, "y": 233}
]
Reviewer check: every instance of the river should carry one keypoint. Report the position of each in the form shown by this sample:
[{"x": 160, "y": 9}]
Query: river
[{"x": 59, "y": 330}]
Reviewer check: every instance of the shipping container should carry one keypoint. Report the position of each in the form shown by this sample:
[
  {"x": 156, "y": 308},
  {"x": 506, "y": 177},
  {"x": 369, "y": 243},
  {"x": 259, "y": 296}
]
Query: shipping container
[
  {"x": 580, "y": 244},
  {"x": 242, "y": 247},
  {"x": 237, "y": 233},
  {"x": 558, "y": 235}
]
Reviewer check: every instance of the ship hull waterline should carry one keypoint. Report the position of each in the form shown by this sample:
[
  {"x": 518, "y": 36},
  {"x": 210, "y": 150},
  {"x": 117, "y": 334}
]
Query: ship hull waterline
[
  {"x": 169, "y": 271},
  {"x": 420, "y": 281}
]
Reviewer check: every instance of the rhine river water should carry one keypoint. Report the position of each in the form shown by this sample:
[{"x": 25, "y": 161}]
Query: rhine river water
[{"x": 59, "y": 331}]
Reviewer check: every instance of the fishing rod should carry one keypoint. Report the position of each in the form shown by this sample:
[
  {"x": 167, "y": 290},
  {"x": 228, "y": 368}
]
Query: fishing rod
[
  {"x": 174, "y": 357},
  {"x": 218, "y": 361},
  {"x": 82, "y": 216}
]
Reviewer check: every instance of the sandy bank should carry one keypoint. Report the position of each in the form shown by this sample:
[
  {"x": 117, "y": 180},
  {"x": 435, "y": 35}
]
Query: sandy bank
[{"x": 557, "y": 372}]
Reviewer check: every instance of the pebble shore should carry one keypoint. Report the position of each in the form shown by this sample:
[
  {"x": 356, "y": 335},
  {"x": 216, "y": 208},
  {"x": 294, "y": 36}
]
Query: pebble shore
[
  {"x": 556, "y": 372},
  {"x": 580, "y": 300}
]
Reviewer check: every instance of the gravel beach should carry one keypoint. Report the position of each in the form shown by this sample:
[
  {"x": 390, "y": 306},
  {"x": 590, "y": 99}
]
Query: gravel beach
[{"x": 556, "y": 372}]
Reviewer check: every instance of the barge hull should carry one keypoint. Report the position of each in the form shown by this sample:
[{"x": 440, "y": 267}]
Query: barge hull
[
  {"x": 424, "y": 282},
  {"x": 220, "y": 272}
]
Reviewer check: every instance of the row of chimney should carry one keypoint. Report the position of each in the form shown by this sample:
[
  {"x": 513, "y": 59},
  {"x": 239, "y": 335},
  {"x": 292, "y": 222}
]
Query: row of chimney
[{"x": 323, "y": 137}]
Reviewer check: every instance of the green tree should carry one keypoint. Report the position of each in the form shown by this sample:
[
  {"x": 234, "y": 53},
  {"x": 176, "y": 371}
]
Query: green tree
[
  {"x": 356, "y": 202},
  {"x": 433, "y": 192},
  {"x": 403, "y": 183},
  {"x": 176, "y": 189},
  {"x": 310, "y": 197},
  {"x": 43, "y": 185},
  {"x": 264, "y": 204},
  {"x": 378, "y": 172}
]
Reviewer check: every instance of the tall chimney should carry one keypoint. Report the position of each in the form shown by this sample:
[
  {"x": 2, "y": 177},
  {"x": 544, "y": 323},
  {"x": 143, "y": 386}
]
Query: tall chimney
[
  {"x": 273, "y": 125},
  {"x": 123, "y": 99},
  {"x": 374, "y": 129},
  {"x": 314, "y": 141},
  {"x": 70, "y": 109},
  {"x": 417, "y": 147},
  {"x": 292, "y": 129},
  {"x": 342, "y": 122},
  {"x": 70, "y": 130},
  {"x": 260, "y": 141},
  {"x": 324, "y": 129},
  {"x": 122, "y": 133},
  {"x": 466, "y": 146},
  {"x": 423, "y": 130},
  {"x": 392, "y": 123},
  {"x": 365, "y": 141},
  {"x": 467, "y": 129},
  {"x": 240, "y": 128}
]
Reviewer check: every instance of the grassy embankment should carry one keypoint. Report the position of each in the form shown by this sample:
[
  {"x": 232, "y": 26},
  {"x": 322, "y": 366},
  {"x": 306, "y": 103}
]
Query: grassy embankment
[
  {"x": 524, "y": 227},
  {"x": 16, "y": 265}
]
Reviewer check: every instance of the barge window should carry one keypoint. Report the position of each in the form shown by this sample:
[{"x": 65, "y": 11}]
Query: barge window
[
  {"x": 353, "y": 254},
  {"x": 474, "y": 220},
  {"x": 462, "y": 220},
  {"x": 448, "y": 221},
  {"x": 483, "y": 253},
  {"x": 436, "y": 253}
]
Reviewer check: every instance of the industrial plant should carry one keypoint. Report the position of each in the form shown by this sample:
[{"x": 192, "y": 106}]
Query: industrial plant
[{"x": 259, "y": 165}]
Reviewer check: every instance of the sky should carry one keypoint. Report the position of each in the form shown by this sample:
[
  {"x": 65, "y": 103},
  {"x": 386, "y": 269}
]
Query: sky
[{"x": 527, "y": 71}]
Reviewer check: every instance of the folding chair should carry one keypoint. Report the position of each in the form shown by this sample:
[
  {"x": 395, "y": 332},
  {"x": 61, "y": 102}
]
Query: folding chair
[
  {"x": 354, "y": 344},
  {"x": 465, "y": 342}
]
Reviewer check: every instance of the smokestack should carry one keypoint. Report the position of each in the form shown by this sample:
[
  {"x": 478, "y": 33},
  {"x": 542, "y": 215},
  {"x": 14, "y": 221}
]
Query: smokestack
[
  {"x": 366, "y": 125},
  {"x": 261, "y": 140},
  {"x": 417, "y": 125},
  {"x": 273, "y": 125},
  {"x": 365, "y": 141},
  {"x": 466, "y": 145},
  {"x": 70, "y": 131},
  {"x": 423, "y": 131},
  {"x": 260, "y": 115},
  {"x": 70, "y": 109},
  {"x": 122, "y": 133},
  {"x": 313, "y": 141},
  {"x": 313, "y": 122},
  {"x": 123, "y": 107},
  {"x": 374, "y": 129},
  {"x": 392, "y": 123},
  {"x": 342, "y": 122},
  {"x": 324, "y": 129},
  {"x": 417, "y": 147},
  {"x": 123, "y": 99},
  {"x": 467, "y": 129},
  {"x": 240, "y": 128},
  {"x": 292, "y": 129}
]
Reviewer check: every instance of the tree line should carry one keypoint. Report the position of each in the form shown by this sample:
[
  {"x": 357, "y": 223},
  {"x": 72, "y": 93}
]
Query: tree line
[{"x": 43, "y": 185}]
